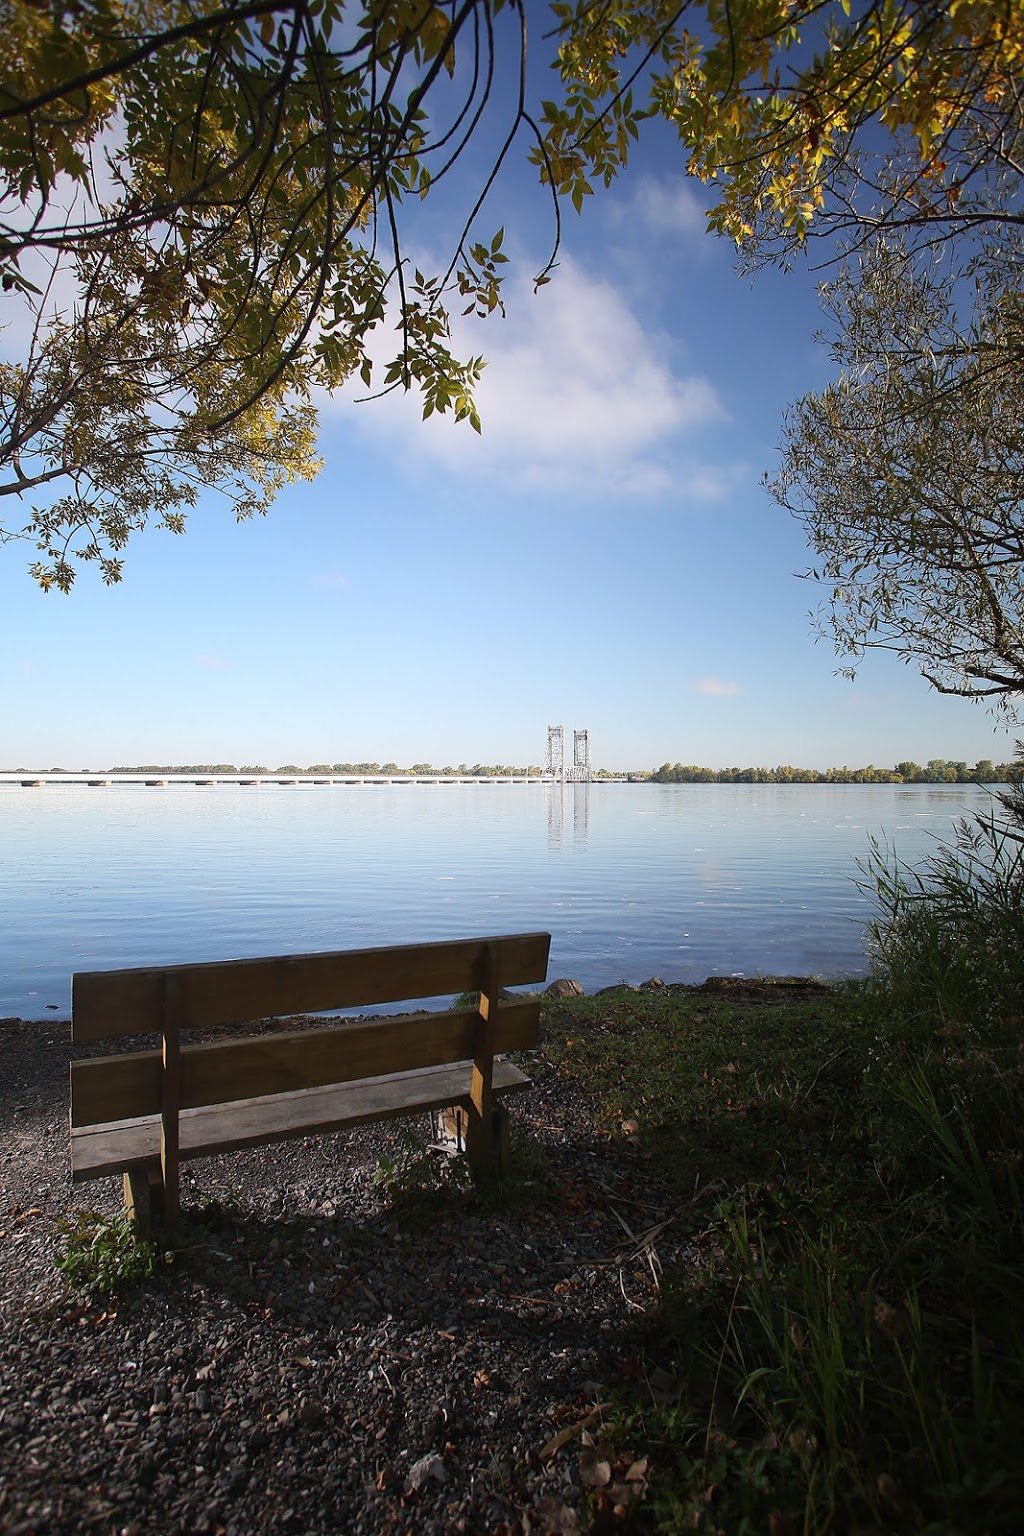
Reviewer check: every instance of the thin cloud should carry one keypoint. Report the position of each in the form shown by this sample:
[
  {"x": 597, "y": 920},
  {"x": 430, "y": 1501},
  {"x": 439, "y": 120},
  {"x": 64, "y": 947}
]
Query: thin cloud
[
  {"x": 666, "y": 205},
  {"x": 716, "y": 482},
  {"x": 330, "y": 579},
  {"x": 211, "y": 663},
  {"x": 715, "y": 688}
]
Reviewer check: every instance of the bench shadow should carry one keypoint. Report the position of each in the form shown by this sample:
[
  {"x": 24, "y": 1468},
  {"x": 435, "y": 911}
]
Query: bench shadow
[{"x": 538, "y": 1266}]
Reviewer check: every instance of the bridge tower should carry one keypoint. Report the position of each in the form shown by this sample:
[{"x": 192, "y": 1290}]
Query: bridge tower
[
  {"x": 554, "y": 759},
  {"x": 581, "y": 770}
]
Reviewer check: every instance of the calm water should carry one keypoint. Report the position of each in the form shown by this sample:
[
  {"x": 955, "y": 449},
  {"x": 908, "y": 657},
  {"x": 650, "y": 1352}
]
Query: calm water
[{"x": 678, "y": 881}]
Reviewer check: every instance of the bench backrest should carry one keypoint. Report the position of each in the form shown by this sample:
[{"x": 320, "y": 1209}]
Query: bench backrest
[{"x": 175, "y": 1000}]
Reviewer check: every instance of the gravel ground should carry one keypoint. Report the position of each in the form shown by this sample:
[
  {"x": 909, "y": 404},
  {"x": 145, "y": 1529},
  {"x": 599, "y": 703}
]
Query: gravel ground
[{"x": 320, "y": 1360}]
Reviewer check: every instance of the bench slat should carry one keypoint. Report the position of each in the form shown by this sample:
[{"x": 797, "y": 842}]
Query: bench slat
[
  {"x": 101, "y": 1150},
  {"x": 112, "y": 1088},
  {"x": 110, "y": 1004}
]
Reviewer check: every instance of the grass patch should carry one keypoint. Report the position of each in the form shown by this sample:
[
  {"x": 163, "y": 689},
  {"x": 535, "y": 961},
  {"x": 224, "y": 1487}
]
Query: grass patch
[
  {"x": 103, "y": 1257},
  {"x": 713, "y": 1085},
  {"x": 844, "y": 1344}
]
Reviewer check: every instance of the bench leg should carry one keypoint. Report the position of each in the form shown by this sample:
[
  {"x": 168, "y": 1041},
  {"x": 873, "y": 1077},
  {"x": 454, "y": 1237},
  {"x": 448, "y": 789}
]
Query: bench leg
[
  {"x": 144, "y": 1198},
  {"x": 500, "y": 1132},
  {"x": 487, "y": 1145}
]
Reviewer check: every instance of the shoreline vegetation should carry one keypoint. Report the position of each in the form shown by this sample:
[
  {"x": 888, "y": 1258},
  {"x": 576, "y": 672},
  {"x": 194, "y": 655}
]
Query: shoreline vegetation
[
  {"x": 936, "y": 771},
  {"x": 843, "y": 1349},
  {"x": 837, "y": 1344}
]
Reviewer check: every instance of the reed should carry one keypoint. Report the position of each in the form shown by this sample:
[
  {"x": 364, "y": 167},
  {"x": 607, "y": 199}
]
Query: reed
[{"x": 853, "y": 1353}]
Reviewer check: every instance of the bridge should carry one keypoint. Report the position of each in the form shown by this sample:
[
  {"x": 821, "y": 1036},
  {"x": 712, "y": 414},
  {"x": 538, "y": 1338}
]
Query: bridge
[
  {"x": 555, "y": 772},
  {"x": 33, "y": 780}
]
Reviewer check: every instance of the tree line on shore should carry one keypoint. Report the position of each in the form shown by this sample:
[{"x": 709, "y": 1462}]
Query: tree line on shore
[{"x": 936, "y": 771}]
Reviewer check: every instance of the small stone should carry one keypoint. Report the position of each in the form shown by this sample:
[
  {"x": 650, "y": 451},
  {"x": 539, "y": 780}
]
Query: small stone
[
  {"x": 311, "y": 1413},
  {"x": 429, "y": 1468}
]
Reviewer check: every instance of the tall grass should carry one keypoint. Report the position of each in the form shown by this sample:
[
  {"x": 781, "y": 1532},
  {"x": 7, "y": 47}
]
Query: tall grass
[
  {"x": 947, "y": 943},
  {"x": 862, "y": 1367}
]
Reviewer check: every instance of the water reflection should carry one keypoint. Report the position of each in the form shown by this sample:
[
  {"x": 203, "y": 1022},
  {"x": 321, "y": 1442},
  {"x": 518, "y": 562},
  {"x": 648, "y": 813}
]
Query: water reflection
[{"x": 564, "y": 800}]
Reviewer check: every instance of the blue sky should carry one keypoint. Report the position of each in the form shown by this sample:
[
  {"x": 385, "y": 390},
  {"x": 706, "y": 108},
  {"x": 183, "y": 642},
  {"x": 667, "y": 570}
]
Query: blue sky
[{"x": 602, "y": 556}]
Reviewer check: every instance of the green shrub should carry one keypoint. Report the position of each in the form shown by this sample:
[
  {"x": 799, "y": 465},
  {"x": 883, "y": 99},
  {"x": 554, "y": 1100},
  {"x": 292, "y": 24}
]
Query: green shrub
[{"x": 102, "y": 1256}]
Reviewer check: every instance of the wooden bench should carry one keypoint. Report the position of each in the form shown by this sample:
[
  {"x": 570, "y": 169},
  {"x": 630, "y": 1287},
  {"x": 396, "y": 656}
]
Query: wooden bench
[{"x": 143, "y": 1113}]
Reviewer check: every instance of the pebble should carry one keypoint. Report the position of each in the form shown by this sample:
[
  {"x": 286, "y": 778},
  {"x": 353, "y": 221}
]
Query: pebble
[{"x": 347, "y": 1363}]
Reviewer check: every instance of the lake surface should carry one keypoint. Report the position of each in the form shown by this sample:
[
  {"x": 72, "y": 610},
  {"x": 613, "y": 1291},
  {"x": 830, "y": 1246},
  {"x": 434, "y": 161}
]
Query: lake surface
[{"x": 680, "y": 881}]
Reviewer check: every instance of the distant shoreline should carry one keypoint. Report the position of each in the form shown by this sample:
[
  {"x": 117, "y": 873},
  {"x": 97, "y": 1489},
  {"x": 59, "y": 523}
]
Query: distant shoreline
[{"x": 983, "y": 774}]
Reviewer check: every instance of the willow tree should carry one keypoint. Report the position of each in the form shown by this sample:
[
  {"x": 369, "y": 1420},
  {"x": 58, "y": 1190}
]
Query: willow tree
[
  {"x": 204, "y": 207},
  {"x": 908, "y": 470}
]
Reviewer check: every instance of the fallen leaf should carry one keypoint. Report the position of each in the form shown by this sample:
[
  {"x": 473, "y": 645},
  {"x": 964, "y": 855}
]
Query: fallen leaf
[
  {"x": 570, "y": 1431},
  {"x": 594, "y": 1473},
  {"x": 555, "y": 1518},
  {"x": 556, "y": 1442},
  {"x": 890, "y": 1494},
  {"x": 888, "y": 1320}
]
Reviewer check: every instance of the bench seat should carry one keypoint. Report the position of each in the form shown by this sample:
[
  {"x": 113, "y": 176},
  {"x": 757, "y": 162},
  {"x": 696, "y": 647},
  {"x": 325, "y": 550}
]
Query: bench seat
[{"x": 98, "y": 1150}]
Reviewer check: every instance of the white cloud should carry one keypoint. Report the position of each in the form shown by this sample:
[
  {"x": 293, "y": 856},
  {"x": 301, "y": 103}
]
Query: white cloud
[
  {"x": 715, "y": 482},
  {"x": 666, "y": 204},
  {"x": 577, "y": 396},
  {"x": 211, "y": 663},
  {"x": 714, "y": 688},
  {"x": 330, "y": 579}
]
